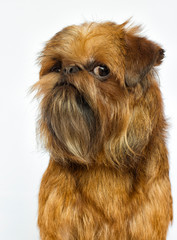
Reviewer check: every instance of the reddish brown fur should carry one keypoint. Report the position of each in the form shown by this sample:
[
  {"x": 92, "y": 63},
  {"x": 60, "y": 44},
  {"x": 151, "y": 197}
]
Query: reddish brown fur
[{"x": 108, "y": 176}]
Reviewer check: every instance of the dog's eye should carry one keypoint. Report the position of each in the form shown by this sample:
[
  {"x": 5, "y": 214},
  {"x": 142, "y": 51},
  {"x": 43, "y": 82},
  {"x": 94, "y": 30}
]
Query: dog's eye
[
  {"x": 101, "y": 71},
  {"x": 56, "y": 68}
]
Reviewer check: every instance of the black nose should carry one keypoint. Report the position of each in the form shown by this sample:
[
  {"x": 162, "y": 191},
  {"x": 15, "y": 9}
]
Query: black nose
[{"x": 71, "y": 69}]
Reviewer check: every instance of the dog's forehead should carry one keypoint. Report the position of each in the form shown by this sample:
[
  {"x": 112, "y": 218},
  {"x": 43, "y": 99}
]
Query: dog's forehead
[{"x": 89, "y": 40}]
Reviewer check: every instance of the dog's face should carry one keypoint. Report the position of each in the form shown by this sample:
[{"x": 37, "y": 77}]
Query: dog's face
[{"x": 91, "y": 80}]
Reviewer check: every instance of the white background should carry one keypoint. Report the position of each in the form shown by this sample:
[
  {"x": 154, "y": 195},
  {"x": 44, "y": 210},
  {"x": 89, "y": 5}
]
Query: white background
[{"x": 25, "y": 25}]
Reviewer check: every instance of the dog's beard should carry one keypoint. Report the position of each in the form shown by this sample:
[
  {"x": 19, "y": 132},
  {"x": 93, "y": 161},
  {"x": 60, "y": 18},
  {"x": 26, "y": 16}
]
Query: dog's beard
[{"x": 71, "y": 121}]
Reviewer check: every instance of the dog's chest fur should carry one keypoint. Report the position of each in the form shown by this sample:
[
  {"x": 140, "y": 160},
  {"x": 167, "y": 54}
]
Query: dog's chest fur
[{"x": 96, "y": 200}]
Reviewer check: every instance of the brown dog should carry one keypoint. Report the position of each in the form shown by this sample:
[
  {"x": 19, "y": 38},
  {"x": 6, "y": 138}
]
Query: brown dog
[{"x": 103, "y": 124}]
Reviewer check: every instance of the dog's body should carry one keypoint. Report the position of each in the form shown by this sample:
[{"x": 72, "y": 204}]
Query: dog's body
[{"x": 102, "y": 122}]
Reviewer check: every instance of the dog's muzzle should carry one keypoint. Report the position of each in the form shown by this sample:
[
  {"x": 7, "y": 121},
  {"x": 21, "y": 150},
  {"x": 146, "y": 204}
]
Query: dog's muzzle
[
  {"x": 71, "y": 69},
  {"x": 66, "y": 74}
]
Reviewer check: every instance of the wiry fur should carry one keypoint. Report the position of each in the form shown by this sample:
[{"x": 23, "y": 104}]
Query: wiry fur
[{"x": 108, "y": 176}]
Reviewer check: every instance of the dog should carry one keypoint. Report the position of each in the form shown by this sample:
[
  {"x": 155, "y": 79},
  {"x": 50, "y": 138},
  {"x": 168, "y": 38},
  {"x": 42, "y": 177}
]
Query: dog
[{"x": 102, "y": 121}]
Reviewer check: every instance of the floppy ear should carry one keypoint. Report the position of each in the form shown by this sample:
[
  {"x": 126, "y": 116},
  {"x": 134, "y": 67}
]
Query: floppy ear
[{"x": 141, "y": 56}]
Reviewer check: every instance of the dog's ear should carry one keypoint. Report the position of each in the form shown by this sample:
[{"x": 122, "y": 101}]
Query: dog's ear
[{"x": 141, "y": 56}]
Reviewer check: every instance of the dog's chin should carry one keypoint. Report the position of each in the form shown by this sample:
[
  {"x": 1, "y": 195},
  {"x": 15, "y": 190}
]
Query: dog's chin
[{"x": 71, "y": 121}]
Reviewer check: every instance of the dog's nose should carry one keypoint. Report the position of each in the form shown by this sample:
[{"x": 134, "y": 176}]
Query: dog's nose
[{"x": 71, "y": 69}]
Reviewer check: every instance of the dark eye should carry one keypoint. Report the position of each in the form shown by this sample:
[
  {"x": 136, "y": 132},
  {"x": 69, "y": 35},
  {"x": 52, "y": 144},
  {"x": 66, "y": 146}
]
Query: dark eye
[
  {"x": 101, "y": 71},
  {"x": 56, "y": 68}
]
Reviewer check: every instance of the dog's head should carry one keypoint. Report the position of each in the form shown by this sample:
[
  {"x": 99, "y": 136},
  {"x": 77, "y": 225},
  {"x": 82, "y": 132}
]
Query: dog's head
[{"x": 94, "y": 82}]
